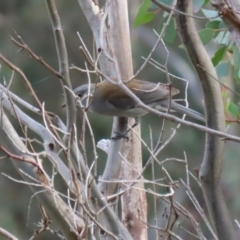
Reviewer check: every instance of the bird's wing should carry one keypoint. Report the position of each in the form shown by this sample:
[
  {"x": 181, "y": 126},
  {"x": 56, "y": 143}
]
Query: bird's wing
[
  {"x": 115, "y": 96},
  {"x": 147, "y": 92},
  {"x": 150, "y": 92}
]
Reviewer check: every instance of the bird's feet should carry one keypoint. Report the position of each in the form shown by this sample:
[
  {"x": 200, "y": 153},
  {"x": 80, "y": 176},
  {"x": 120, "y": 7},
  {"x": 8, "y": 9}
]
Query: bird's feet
[
  {"x": 124, "y": 135},
  {"x": 120, "y": 136}
]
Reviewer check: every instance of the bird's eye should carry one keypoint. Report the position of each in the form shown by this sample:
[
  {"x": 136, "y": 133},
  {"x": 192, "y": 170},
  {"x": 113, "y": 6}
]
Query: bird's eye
[{"x": 79, "y": 95}]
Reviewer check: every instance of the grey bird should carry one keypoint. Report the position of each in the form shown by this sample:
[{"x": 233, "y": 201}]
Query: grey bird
[{"x": 111, "y": 100}]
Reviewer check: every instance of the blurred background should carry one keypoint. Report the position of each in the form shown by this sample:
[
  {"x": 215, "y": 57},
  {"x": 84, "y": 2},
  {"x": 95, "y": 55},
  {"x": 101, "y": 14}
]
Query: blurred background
[{"x": 19, "y": 214}]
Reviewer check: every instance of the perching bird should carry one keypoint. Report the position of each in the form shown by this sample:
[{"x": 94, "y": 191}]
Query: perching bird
[{"x": 111, "y": 100}]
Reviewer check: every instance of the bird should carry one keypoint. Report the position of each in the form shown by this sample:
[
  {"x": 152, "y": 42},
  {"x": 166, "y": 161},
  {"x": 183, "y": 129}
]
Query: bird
[{"x": 109, "y": 99}]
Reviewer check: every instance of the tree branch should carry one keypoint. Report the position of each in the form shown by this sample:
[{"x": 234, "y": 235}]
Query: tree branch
[{"x": 210, "y": 170}]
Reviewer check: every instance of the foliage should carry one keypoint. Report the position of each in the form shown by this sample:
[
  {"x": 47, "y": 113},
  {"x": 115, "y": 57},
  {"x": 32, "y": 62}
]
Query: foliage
[{"x": 214, "y": 32}]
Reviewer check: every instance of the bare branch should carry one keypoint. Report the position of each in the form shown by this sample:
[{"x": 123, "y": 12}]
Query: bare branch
[
  {"x": 63, "y": 63},
  {"x": 210, "y": 171},
  {"x": 7, "y": 234}
]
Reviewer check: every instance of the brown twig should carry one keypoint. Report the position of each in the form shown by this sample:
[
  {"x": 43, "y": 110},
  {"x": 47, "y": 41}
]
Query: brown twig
[
  {"x": 232, "y": 120},
  {"x": 44, "y": 224},
  {"x": 24, "y": 46},
  {"x": 24, "y": 78},
  {"x": 17, "y": 157},
  {"x": 31, "y": 91}
]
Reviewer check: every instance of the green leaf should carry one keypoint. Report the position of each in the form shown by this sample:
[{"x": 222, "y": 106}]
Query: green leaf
[
  {"x": 236, "y": 74},
  {"x": 222, "y": 37},
  {"x": 206, "y": 2},
  {"x": 206, "y": 35},
  {"x": 222, "y": 25},
  {"x": 170, "y": 33},
  {"x": 233, "y": 109},
  {"x": 142, "y": 11},
  {"x": 235, "y": 61},
  {"x": 210, "y": 14},
  {"x": 213, "y": 24},
  {"x": 148, "y": 17},
  {"x": 230, "y": 44},
  {"x": 197, "y": 5},
  {"x": 167, "y": 2},
  {"x": 182, "y": 46},
  {"x": 236, "y": 56},
  {"x": 222, "y": 69},
  {"x": 219, "y": 54}
]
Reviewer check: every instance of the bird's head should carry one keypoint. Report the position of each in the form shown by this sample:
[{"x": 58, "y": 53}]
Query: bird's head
[{"x": 84, "y": 92}]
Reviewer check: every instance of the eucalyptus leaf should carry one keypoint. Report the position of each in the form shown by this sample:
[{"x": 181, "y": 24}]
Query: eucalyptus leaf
[
  {"x": 222, "y": 70},
  {"x": 142, "y": 12},
  {"x": 170, "y": 33},
  {"x": 213, "y": 24},
  {"x": 210, "y": 13},
  {"x": 206, "y": 35},
  {"x": 219, "y": 54},
  {"x": 206, "y": 2},
  {"x": 197, "y": 5},
  {"x": 233, "y": 109},
  {"x": 222, "y": 37}
]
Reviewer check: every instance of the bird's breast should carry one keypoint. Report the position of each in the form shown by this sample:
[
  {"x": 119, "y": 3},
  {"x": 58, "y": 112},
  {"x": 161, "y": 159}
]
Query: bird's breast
[{"x": 106, "y": 108}]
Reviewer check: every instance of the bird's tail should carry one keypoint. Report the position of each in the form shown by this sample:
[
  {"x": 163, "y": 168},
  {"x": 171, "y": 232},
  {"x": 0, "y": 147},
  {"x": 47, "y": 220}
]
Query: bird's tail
[
  {"x": 184, "y": 110},
  {"x": 189, "y": 112}
]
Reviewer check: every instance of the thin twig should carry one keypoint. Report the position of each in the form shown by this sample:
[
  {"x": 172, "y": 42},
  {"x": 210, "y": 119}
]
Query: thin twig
[{"x": 24, "y": 46}]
